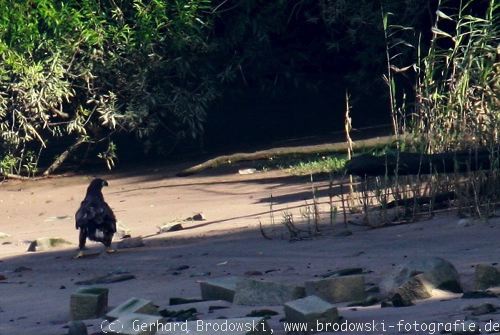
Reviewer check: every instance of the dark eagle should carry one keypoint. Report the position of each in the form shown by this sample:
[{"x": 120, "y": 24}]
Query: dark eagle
[{"x": 94, "y": 218}]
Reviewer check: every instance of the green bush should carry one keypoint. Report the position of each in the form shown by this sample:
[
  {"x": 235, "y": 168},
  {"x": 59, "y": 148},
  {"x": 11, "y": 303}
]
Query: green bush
[{"x": 75, "y": 72}]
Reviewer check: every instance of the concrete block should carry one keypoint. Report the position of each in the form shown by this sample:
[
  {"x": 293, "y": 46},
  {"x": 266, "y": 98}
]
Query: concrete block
[
  {"x": 311, "y": 310},
  {"x": 338, "y": 289},
  {"x": 219, "y": 288},
  {"x": 253, "y": 292},
  {"x": 486, "y": 276},
  {"x": 89, "y": 303}
]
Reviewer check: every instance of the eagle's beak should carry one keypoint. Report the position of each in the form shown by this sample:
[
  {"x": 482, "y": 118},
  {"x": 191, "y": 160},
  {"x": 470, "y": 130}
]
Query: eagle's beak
[{"x": 104, "y": 183}]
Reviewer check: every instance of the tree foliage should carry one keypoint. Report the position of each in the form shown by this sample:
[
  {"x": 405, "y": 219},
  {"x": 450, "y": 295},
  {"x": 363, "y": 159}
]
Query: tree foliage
[{"x": 74, "y": 72}]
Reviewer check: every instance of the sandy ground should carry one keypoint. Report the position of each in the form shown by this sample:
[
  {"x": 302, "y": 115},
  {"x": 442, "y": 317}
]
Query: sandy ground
[{"x": 227, "y": 243}]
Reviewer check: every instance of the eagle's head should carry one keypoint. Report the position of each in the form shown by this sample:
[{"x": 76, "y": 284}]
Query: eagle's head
[{"x": 96, "y": 186}]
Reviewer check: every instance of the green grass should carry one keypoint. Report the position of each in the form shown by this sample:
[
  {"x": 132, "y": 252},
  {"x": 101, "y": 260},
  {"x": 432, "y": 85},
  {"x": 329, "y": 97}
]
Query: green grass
[
  {"x": 305, "y": 165},
  {"x": 324, "y": 164}
]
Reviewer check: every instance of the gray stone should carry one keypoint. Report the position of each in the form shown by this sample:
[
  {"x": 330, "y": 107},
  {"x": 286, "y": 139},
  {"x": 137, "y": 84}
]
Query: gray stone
[
  {"x": 437, "y": 272},
  {"x": 198, "y": 217},
  {"x": 134, "y": 324},
  {"x": 338, "y": 289},
  {"x": 219, "y": 288},
  {"x": 486, "y": 276},
  {"x": 311, "y": 310},
  {"x": 132, "y": 305},
  {"x": 169, "y": 227},
  {"x": 89, "y": 303},
  {"x": 417, "y": 287},
  {"x": 253, "y": 292},
  {"x": 132, "y": 242},
  {"x": 47, "y": 243},
  {"x": 238, "y": 326},
  {"x": 77, "y": 328}
]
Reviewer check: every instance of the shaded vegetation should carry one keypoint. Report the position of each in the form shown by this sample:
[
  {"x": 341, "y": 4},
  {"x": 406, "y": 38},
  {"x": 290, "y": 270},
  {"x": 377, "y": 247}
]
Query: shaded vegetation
[
  {"x": 98, "y": 78},
  {"x": 79, "y": 72},
  {"x": 305, "y": 165}
]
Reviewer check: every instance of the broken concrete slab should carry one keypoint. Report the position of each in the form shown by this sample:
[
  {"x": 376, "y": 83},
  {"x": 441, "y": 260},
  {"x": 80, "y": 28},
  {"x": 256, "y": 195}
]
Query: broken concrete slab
[
  {"x": 311, "y": 310},
  {"x": 338, "y": 289},
  {"x": 122, "y": 231},
  {"x": 169, "y": 227},
  {"x": 486, "y": 276},
  {"x": 89, "y": 303},
  {"x": 252, "y": 292},
  {"x": 238, "y": 326},
  {"x": 132, "y": 242},
  {"x": 219, "y": 288},
  {"x": 47, "y": 243},
  {"x": 134, "y": 324},
  {"x": 133, "y": 305}
]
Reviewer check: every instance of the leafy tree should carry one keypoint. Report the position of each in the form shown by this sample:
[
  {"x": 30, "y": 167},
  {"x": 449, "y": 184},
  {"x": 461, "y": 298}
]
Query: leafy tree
[{"x": 75, "y": 72}]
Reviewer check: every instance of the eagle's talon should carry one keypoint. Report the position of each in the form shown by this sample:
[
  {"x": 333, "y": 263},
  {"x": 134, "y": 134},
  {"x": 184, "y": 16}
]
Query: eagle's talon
[{"x": 110, "y": 250}]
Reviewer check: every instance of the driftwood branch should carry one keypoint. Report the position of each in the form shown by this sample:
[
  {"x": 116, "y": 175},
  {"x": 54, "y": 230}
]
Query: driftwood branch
[
  {"x": 17, "y": 177},
  {"x": 62, "y": 157},
  {"x": 285, "y": 151}
]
